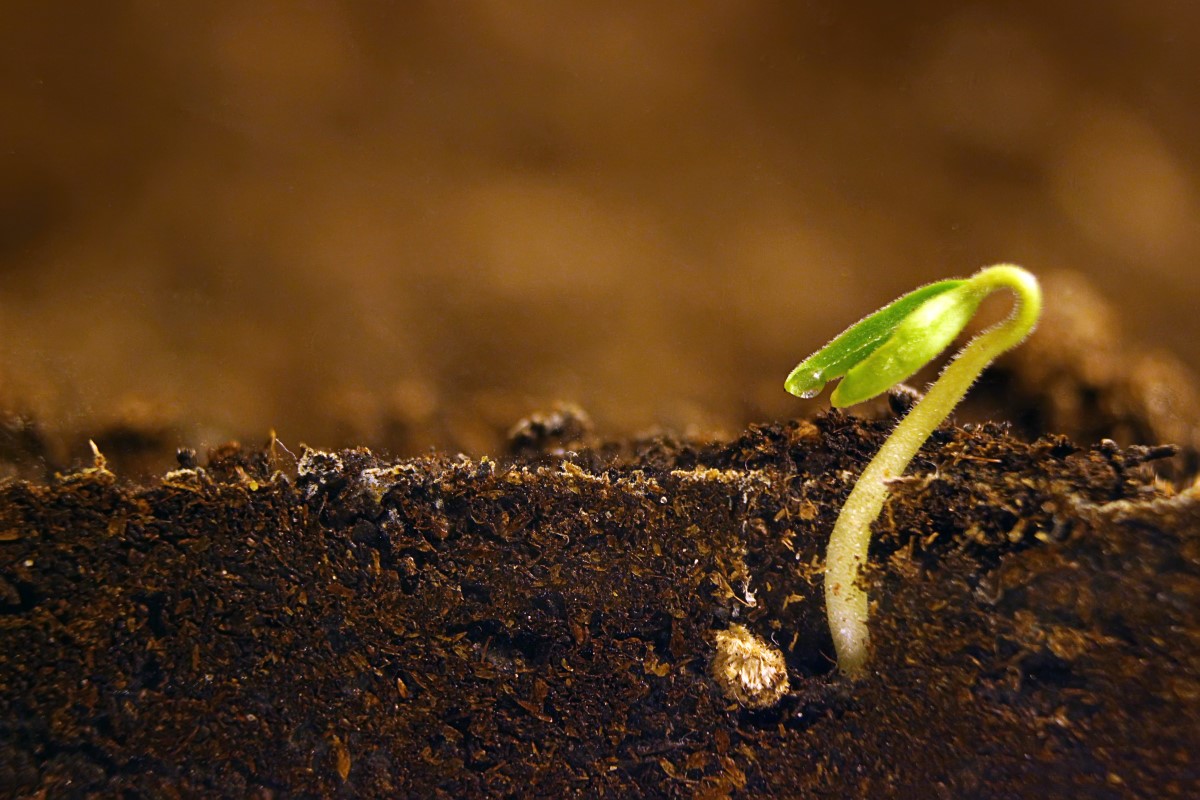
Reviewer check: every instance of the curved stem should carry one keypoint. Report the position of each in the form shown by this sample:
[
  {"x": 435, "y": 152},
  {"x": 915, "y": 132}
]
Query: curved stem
[{"x": 845, "y": 598}]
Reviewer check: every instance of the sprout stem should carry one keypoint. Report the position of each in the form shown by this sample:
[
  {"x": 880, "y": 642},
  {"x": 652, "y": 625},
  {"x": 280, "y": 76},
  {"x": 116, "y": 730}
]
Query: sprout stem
[{"x": 845, "y": 597}]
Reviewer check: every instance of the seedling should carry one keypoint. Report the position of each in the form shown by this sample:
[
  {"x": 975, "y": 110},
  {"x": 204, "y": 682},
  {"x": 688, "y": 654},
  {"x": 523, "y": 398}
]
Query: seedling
[{"x": 870, "y": 357}]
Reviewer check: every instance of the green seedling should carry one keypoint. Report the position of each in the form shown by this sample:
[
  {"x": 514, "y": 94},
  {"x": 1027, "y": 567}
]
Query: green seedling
[{"x": 874, "y": 355}]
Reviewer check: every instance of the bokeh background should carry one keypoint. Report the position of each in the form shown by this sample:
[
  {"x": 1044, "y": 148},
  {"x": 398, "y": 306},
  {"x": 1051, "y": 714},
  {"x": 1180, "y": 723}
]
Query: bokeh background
[{"x": 409, "y": 224}]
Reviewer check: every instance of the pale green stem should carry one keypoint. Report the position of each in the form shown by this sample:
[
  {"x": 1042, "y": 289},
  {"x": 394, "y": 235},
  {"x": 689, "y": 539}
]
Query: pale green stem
[{"x": 845, "y": 597}]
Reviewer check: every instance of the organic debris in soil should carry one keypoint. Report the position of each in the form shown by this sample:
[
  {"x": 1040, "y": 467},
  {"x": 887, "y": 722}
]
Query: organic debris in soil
[{"x": 543, "y": 625}]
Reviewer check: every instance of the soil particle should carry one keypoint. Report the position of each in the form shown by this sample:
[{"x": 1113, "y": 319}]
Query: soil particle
[{"x": 542, "y": 625}]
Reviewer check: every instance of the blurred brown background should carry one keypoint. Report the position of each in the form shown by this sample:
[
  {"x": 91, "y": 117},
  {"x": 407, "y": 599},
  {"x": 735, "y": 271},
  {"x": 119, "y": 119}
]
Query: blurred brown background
[{"x": 407, "y": 224}]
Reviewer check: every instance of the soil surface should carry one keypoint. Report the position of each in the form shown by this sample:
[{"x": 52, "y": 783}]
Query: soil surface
[{"x": 542, "y": 624}]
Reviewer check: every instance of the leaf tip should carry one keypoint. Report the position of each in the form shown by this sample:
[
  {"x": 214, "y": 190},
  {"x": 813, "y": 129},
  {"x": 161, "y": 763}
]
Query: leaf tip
[{"x": 804, "y": 382}]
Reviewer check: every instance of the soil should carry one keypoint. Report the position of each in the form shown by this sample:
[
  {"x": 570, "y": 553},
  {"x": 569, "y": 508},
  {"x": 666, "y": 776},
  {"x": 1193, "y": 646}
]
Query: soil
[{"x": 542, "y": 624}]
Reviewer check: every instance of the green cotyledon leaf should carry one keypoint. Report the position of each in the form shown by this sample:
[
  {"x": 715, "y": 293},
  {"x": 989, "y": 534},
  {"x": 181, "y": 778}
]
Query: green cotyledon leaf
[
  {"x": 859, "y": 341},
  {"x": 926, "y": 331}
]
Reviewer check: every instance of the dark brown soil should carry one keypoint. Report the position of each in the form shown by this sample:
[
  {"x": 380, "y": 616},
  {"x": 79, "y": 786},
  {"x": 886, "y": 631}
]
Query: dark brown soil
[{"x": 541, "y": 625}]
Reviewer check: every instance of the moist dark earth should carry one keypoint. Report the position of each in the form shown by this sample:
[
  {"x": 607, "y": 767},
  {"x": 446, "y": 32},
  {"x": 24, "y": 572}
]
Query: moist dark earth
[{"x": 541, "y": 624}]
